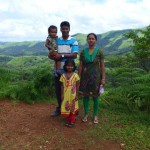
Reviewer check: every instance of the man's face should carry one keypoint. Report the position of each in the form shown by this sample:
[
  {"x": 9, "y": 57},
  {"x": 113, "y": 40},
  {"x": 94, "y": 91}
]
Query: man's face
[{"x": 65, "y": 31}]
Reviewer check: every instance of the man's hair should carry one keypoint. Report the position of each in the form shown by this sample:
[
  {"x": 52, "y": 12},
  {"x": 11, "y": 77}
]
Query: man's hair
[
  {"x": 65, "y": 23},
  {"x": 51, "y": 27}
]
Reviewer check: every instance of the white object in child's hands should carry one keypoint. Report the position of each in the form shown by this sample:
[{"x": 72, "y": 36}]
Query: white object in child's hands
[{"x": 101, "y": 89}]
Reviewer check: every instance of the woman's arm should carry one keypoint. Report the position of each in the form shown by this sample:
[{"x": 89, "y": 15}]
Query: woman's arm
[
  {"x": 77, "y": 89},
  {"x": 102, "y": 67},
  {"x": 80, "y": 68}
]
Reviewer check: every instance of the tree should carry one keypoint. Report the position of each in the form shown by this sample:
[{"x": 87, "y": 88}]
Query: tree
[{"x": 141, "y": 47}]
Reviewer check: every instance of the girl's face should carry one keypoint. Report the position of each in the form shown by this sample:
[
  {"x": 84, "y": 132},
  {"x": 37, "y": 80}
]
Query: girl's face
[
  {"x": 53, "y": 33},
  {"x": 91, "y": 40},
  {"x": 69, "y": 67}
]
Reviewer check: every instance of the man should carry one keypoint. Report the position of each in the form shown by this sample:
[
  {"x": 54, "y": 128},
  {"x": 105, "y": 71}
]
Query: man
[{"x": 67, "y": 48}]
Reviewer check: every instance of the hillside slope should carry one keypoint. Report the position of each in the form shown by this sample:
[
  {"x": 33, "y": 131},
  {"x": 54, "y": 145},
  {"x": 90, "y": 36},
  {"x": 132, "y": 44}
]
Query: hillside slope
[{"x": 112, "y": 42}]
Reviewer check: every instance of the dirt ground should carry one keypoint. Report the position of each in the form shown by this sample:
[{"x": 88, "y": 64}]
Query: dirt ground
[{"x": 30, "y": 127}]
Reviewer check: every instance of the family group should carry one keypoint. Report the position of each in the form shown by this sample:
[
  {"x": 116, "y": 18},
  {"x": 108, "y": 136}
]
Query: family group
[{"x": 72, "y": 81}]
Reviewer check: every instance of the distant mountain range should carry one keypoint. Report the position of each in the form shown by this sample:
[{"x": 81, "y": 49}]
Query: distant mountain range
[{"x": 112, "y": 43}]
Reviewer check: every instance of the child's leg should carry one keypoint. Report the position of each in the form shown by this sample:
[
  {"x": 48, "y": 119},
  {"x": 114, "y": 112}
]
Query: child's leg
[
  {"x": 86, "y": 105},
  {"x": 71, "y": 120},
  {"x": 95, "y": 106},
  {"x": 68, "y": 118},
  {"x": 86, "y": 108},
  {"x": 58, "y": 64},
  {"x": 72, "y": 117}
]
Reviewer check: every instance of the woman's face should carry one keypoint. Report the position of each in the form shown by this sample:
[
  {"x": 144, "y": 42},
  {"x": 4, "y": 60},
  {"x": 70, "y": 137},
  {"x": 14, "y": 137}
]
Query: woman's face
[{"x": 91, "y": 40}]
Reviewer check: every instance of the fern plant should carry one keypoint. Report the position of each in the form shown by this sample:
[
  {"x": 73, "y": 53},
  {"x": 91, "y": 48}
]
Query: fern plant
[{"x": 130, "y": 85}]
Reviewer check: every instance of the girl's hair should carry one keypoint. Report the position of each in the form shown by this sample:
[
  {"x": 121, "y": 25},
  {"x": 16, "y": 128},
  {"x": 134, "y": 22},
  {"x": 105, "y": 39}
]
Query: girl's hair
[
  {"x": 68, "y": 61},
  {"x": 51, "y": 27},
  {"x": 65, "y": 23},
  {"x": 92, "y": 34}
]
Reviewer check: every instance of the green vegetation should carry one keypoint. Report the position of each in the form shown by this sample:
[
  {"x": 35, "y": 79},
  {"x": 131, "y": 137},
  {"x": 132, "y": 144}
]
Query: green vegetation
[
  {"x": 81, "y": 38},
  {"x": 27, "y": 78},
  {"x": 141, "y": 47}
]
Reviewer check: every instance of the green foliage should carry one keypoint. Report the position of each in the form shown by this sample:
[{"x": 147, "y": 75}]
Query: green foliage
[
  {"x": 81, "y": 38},
  {"x": 44, "y": 81},
  {"x": 141, "y": 47},
  {"x": 6, "y": 77},
  {"x": 25, "y": 81},
  {"x": 129, "y": 84},
  {"x": 20, "y": 91}
]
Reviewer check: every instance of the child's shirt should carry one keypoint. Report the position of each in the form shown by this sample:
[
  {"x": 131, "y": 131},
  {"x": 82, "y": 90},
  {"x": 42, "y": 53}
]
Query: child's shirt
[{"x": 52, "y": 42}]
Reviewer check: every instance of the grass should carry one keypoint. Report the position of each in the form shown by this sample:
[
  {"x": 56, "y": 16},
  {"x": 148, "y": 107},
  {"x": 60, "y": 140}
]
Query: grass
[{"x": 118, "y": 124}]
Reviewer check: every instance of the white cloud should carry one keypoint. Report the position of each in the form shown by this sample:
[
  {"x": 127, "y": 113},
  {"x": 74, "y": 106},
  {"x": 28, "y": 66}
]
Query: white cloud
[{"x": 29, "y": 20}]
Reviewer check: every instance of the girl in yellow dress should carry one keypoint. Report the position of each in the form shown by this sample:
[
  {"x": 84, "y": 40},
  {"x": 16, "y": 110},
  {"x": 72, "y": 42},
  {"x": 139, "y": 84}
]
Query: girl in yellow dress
[{"x": 69, "y": 92}]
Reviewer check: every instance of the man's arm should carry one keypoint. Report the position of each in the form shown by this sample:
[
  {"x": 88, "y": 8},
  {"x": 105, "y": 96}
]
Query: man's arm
[{"x": 71, "y": 55}]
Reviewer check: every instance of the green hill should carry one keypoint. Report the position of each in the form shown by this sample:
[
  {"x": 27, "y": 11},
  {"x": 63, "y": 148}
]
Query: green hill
[{"x": 112, "y": 42}]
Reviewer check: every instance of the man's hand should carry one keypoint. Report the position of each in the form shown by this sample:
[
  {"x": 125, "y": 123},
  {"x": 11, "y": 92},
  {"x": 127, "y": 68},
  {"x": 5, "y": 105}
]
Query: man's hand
[
  {"x": 51, "y": 55},
  {"x": 57, "y": 56}
]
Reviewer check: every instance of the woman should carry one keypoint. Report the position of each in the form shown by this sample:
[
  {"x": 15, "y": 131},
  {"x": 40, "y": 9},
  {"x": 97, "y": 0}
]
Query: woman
[{"x": 92, "y": 75}]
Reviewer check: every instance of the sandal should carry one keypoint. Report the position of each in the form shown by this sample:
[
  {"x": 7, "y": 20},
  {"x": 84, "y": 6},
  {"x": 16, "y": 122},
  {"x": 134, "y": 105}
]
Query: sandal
[
  {"x": 71, "y": 124},
  {"x": 67, "y": 124},
  {"x": 95, "y": 120},
  {"x": 85, "y": 118}
]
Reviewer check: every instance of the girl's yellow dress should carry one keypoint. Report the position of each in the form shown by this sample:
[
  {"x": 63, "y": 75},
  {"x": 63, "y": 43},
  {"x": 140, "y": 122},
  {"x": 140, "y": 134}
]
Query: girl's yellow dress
[{"x": 68, "y": 105}]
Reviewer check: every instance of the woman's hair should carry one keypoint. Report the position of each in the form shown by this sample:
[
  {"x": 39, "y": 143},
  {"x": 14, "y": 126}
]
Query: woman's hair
[
  {"x": 65, "y": 23},
  {"x": 51, "y": 27},
  {"x": 68, "y": 61},
  {"x": 92, "y": 34}
]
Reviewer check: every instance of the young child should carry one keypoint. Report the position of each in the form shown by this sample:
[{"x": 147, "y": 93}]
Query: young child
[
  {"x": 52, "y": 45},
  {"x": 69, "y": 92}
]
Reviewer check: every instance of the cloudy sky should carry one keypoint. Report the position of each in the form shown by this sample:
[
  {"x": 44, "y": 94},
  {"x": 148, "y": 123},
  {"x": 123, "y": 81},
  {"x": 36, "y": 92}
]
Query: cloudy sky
[{"x": 26, "y": 20}]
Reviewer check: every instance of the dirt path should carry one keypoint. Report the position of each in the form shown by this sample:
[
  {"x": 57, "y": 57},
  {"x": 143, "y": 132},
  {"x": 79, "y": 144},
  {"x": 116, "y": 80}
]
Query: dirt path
[{"x": 27, "y": 127}]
